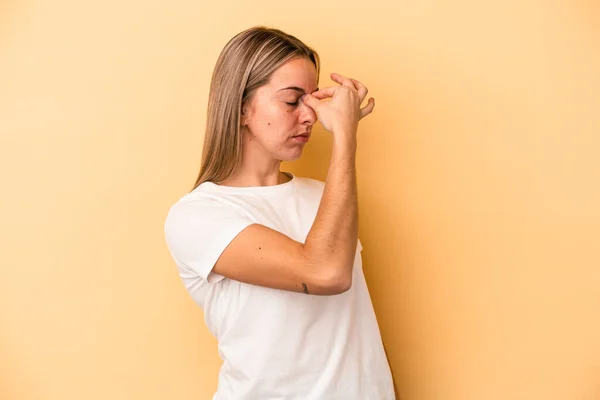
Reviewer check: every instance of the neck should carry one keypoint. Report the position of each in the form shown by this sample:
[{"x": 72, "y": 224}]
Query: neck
[{"x": 257, "y": 168}]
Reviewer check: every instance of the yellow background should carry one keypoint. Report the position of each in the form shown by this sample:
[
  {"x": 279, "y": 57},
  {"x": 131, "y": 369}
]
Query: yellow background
[{"x": 479, "y": 185}]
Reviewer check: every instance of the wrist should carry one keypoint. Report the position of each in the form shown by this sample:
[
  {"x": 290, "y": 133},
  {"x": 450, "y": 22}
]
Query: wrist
[
  {"x": 344, "y": 136},
  {"x": 345, "y": 146}
]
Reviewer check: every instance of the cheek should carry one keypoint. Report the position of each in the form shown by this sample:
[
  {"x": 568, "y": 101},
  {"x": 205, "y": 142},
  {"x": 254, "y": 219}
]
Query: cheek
[
  {"x": 267, "y": 116},
  {"x": 277, "y": 120}
]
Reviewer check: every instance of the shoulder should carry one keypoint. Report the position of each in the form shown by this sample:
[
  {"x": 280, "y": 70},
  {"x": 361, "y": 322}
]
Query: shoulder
[
  {"x": 195, "y": 200},
  {"x": 206, "y": 199},
  {"x": 200, "y": 208}
]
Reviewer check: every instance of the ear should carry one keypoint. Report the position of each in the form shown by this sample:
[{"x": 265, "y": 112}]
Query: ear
[
  {"x": 244, "y": 114},
  {"x": 244, "y": 118}
]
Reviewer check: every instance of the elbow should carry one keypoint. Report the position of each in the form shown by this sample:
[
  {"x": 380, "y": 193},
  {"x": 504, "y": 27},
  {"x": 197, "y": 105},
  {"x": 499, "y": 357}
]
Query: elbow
[
  {"x": 342, "y": 285},
  {"x": 329, "y": 277},
  {"x": 336, "y": 282}
]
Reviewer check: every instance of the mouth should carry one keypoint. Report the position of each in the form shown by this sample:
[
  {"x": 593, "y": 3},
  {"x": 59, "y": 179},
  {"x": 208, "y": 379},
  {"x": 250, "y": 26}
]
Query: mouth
[{"x": 302, "y": 137}]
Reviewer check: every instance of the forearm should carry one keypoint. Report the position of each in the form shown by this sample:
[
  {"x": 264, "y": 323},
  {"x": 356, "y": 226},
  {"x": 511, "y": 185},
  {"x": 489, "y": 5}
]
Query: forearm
[{"x": 331, "y": 242}]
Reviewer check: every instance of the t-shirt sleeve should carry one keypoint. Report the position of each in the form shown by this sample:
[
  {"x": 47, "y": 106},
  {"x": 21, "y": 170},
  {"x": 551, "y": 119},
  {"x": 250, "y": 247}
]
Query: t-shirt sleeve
[{"x": 198, "y": 231}]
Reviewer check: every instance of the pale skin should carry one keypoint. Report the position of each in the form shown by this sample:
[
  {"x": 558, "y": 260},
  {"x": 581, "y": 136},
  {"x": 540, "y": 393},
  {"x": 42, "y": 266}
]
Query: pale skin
[{"x": 277, "y": 124}]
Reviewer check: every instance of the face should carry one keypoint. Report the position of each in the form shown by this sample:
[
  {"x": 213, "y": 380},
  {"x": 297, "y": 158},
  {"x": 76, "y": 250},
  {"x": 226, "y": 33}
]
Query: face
[{"x": 278, "y": 123}]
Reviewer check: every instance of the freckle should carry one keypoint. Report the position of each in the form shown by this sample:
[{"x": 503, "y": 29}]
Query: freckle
[
  {"x": 260, "y": 248},
  {"x": 268, "y": 123}
]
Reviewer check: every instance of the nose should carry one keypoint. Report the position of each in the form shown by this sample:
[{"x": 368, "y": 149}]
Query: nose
[{"x": 307, "y": 115}]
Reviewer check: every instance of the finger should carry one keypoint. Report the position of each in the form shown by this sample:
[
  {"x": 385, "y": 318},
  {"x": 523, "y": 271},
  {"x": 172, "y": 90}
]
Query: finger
[
  {"x": 368, "y": 109},
  {"x": 342, "y": 80},
  {"x": 362, "y": 89},
  {"x": 324, "y": 93},
  {"x": 311, "y": 101}
]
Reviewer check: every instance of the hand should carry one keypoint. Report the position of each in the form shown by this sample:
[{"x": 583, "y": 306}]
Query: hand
[{"x": 340, "y": 116}]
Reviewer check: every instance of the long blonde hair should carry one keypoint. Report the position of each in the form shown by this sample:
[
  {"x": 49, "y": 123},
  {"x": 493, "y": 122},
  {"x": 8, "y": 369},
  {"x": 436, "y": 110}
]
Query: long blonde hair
[{"x": 246, "y": 63}]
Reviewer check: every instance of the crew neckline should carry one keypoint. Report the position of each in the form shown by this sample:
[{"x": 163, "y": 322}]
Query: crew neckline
[{"x": 270, "y": 188}]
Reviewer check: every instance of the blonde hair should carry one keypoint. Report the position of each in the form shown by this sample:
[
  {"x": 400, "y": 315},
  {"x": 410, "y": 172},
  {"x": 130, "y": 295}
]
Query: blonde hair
[{"x": 246, "y": 63}]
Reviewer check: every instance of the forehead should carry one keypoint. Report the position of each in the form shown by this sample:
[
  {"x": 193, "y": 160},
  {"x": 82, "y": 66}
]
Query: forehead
[{"x": 298, "y": 72}]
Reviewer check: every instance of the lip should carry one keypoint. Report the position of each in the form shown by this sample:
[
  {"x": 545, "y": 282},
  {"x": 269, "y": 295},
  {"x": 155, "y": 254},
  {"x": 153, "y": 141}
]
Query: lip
[{"x": 302, "y": 137}]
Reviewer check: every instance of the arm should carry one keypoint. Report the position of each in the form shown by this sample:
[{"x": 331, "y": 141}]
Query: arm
[{"x": 323, "y": 264}]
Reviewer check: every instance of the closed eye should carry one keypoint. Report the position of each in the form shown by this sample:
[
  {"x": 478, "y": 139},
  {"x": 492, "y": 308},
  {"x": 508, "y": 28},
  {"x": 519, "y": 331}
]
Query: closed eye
[{"x": 292, "y": 104}]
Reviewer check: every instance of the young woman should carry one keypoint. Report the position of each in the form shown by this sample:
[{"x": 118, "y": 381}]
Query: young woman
[{"x": 272, "y": 258}]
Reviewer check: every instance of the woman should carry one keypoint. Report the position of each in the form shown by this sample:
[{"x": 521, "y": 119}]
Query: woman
[{"x": 272, "y": 258}]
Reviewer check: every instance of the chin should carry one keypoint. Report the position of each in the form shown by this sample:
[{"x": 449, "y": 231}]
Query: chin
[
  {"x": 290, "y": 155},
  {"x": 293, "y": 157}
]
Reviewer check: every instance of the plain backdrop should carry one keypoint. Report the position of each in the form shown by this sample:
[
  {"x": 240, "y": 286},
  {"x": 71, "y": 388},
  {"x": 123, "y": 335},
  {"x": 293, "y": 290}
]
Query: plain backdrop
[{"x": 479, "y": 186}]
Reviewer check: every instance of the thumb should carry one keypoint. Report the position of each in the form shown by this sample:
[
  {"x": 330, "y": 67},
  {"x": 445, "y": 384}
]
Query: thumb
[{"x": 311, "y": 101}]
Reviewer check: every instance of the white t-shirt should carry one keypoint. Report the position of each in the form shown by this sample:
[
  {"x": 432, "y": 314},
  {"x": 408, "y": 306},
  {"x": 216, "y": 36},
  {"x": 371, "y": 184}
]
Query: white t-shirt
[{"x": 276, "y": 344}]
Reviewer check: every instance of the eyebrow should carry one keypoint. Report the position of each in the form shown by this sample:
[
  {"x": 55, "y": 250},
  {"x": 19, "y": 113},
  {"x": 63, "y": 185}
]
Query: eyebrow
[{"x": 296, "y": 88}]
